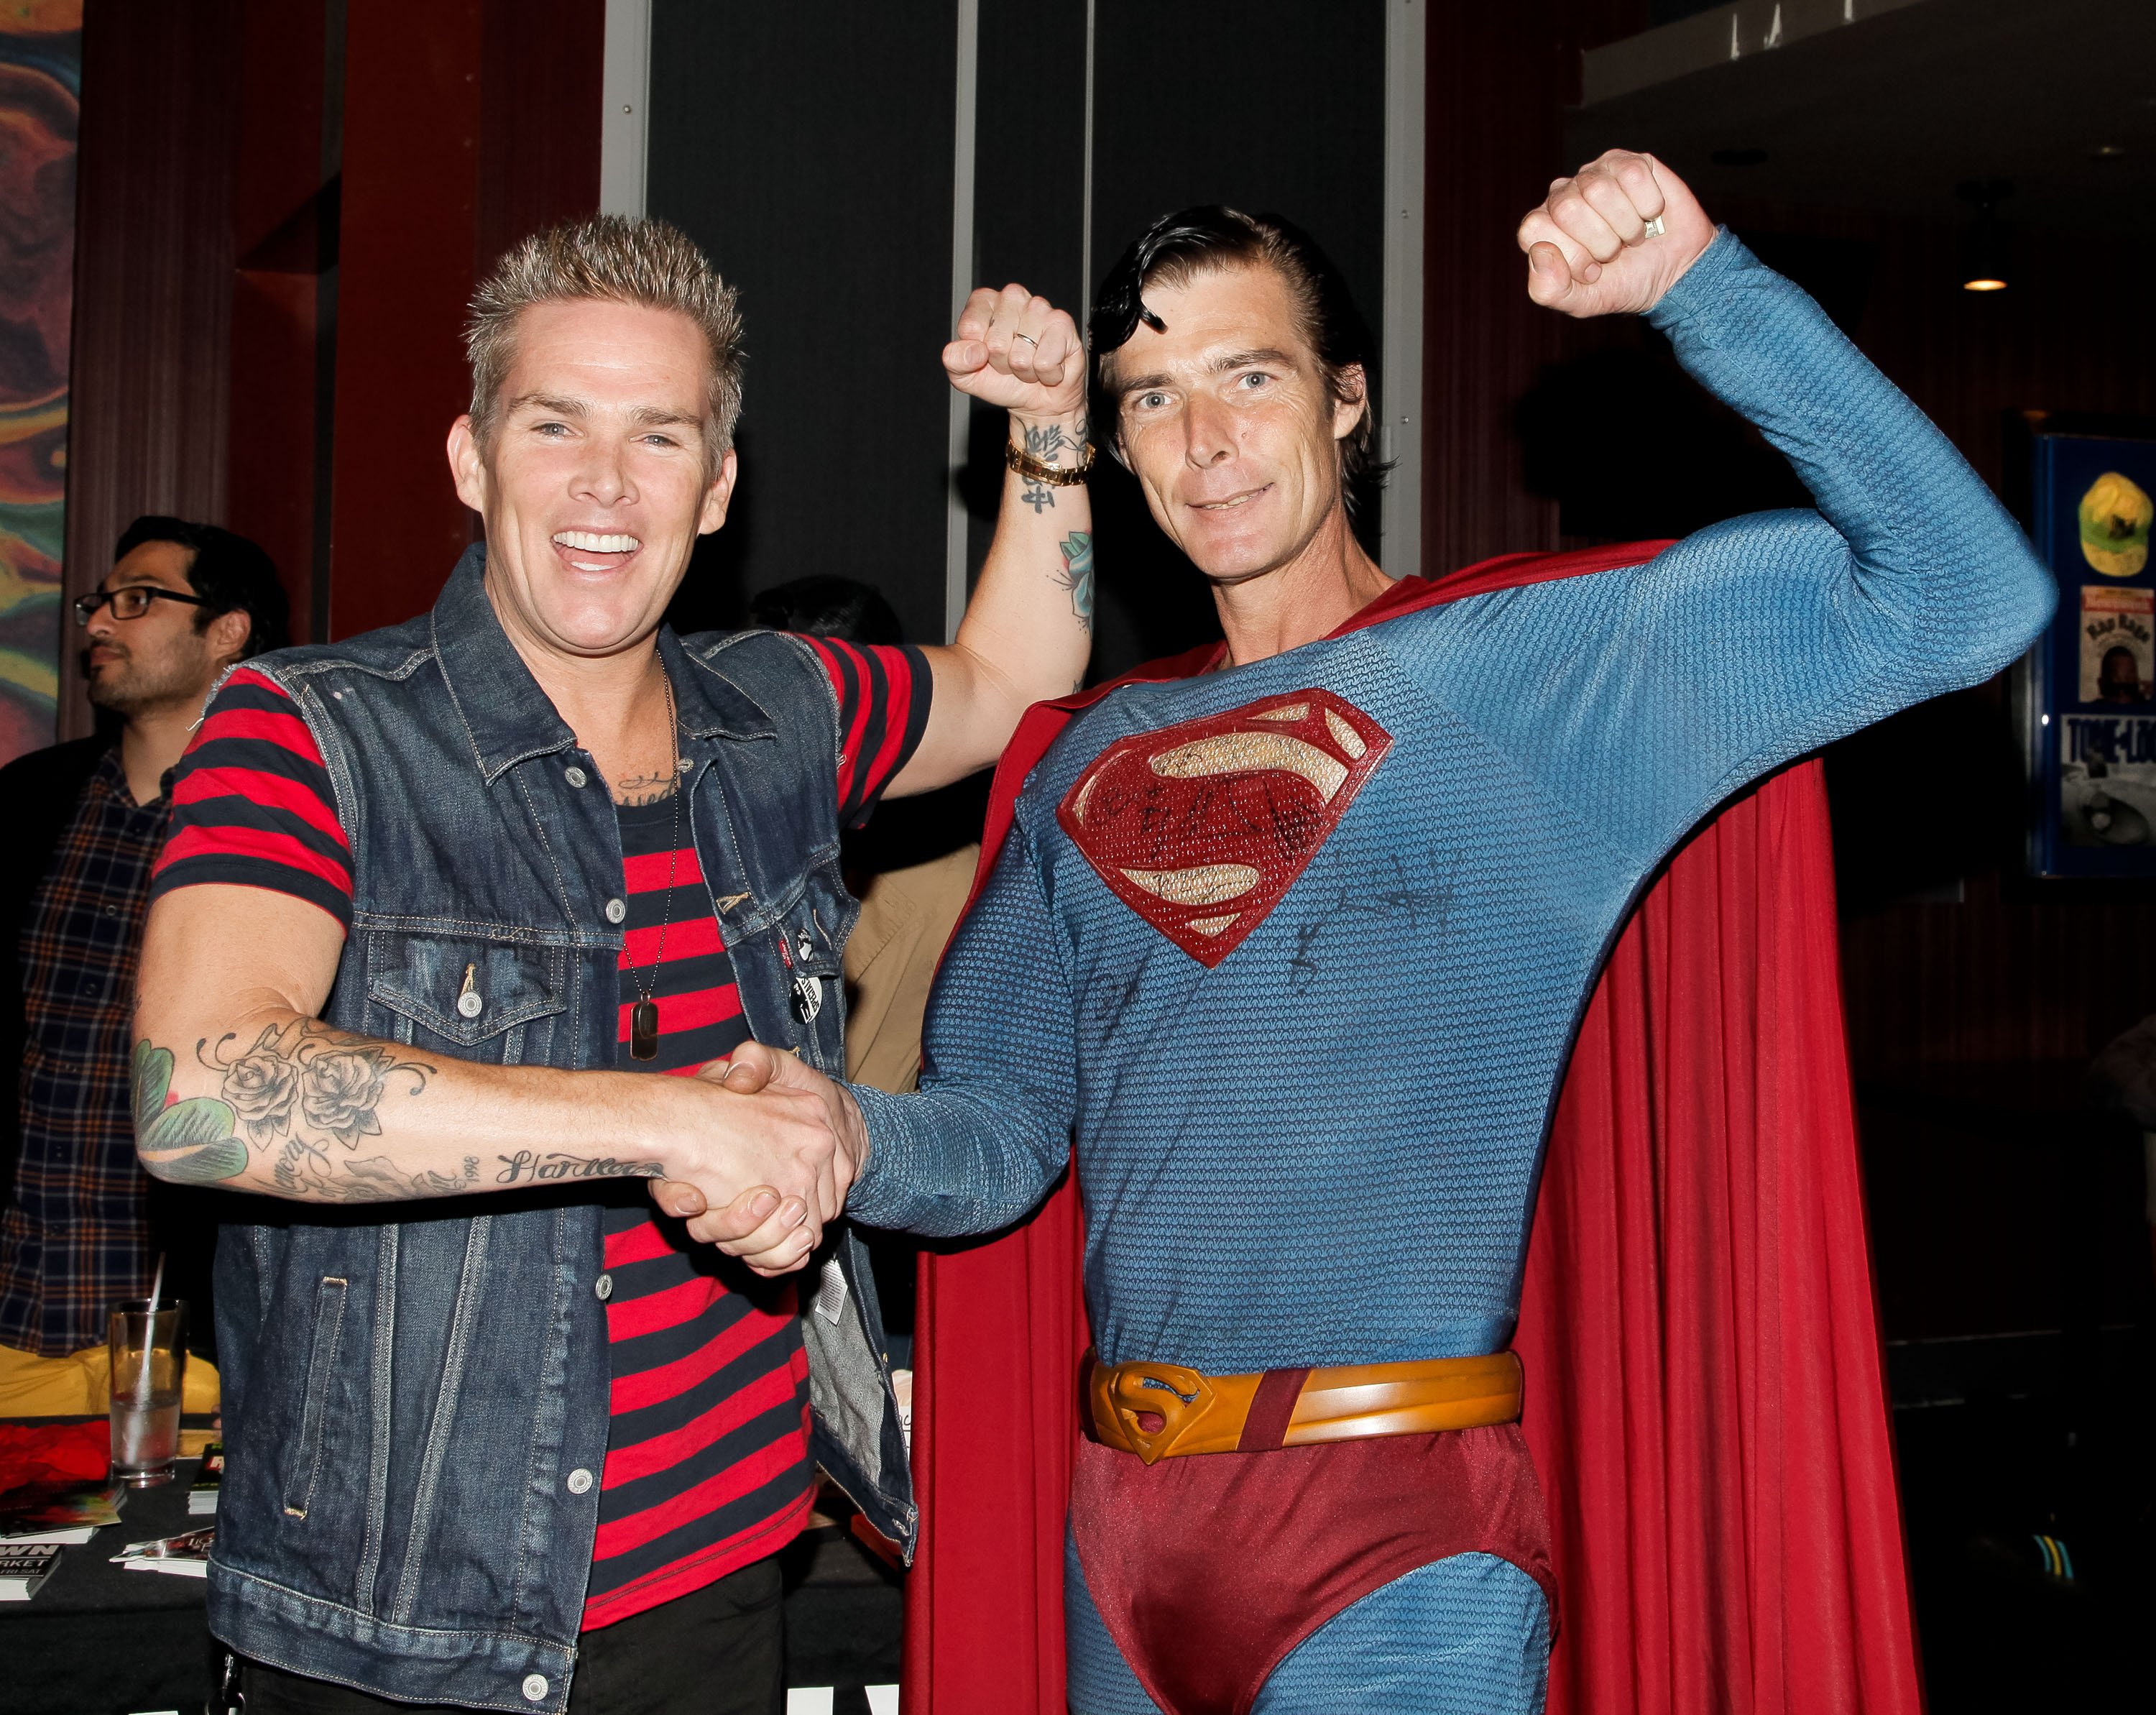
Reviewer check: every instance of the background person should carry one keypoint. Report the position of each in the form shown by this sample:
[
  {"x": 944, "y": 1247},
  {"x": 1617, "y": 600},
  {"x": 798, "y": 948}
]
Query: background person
[{"x": 82, "y": 1224}]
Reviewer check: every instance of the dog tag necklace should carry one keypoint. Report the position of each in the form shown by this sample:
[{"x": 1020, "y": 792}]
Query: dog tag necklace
[{"x": 643, "y": 1016}]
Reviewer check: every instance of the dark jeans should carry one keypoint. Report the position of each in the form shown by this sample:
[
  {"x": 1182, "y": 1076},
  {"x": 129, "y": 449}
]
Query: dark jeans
[{"x": 719, "y": 1651}]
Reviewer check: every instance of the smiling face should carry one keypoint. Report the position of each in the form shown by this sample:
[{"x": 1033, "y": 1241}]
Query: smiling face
[
  {"x": 596, "y": 480},
  {"x": 1225, "y": 418}
]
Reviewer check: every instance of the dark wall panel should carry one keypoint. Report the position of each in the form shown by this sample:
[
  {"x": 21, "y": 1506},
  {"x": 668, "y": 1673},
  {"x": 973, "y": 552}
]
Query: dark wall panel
[
  {"x": 1029, "y": 194},
  {"x": 1497, "y": 78},
  {"x": 1491, "y": 131},
  {"x": 776, "y": 141},
  {"x": 1274, "y": 106},
  {"x": 539, "y": 118},
  {"x": 808, "y": 150}
]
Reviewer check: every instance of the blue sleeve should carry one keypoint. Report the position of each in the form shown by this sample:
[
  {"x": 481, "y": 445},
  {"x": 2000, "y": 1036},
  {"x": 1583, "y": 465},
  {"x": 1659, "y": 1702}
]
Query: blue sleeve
[
  {"x": 989, "y": 1130},
  {"x": 1644, "y": 697}
]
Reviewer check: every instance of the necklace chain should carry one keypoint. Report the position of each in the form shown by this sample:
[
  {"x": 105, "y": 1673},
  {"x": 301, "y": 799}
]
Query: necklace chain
[{"x": 674, "y": 849}]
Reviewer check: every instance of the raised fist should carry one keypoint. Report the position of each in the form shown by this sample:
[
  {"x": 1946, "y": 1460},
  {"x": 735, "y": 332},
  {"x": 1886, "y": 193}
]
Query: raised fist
[
  {"x": 1613, "y": 237},
  {"x": 1019, "y": 351}
]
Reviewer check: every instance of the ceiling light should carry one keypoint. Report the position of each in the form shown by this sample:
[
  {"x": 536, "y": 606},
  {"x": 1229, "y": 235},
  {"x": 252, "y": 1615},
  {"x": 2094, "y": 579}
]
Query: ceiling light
[
  {"x": 2107, "y": 152},
  {"x": 1984, "y": 249}
]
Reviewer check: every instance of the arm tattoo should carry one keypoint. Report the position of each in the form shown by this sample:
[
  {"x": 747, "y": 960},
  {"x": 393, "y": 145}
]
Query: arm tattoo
[
  {"x": 540, "y": 1166},
  {"x": 378, "y": 1179},
  {"x": 189, "y": 1142},
  {"x": 1048, "y": 443},
  {"x": 1076, "y": 574},
  {"x": 301, "y": 1088}
]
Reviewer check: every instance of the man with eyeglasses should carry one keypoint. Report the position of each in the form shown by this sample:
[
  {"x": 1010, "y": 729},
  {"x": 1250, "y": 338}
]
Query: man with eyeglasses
[{"x": 80, "y": 1225}]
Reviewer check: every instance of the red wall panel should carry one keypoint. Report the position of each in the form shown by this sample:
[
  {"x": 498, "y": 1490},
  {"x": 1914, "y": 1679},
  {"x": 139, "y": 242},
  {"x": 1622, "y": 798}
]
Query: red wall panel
[
  {"x": 284, "y": 226},
  {"x": 466, "y": 126},
  {"x": 411, "y": 190}
]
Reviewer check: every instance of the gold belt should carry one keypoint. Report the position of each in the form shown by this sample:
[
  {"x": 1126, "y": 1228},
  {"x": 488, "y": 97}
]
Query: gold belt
[{"x": 1163, "y": 1411}]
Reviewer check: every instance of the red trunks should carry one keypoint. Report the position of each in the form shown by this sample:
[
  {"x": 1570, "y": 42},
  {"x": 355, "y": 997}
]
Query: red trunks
[{"x": 1208, "y": 1570}]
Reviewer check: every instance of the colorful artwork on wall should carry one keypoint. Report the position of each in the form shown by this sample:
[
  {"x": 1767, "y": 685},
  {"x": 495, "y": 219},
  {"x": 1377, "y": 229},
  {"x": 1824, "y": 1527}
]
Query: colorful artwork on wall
[{"x": 40, "y": 80}]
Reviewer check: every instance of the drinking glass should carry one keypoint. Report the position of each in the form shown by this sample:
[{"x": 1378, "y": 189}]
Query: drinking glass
[{"x": 143, "y": 1338}]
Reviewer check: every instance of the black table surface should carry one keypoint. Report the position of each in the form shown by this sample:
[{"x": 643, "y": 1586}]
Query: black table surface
[{"x": 100, "y": 1640}]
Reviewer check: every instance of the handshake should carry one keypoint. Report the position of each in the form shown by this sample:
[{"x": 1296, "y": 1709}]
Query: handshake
[{"x": 759, "y": 1171}]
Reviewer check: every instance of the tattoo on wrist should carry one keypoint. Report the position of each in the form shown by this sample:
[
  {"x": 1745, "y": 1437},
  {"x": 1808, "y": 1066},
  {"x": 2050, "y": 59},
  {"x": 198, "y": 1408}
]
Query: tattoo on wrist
[
  {"x": 538, "y": 1167},
  {"x": 1076, "y": 574},
  {"x": 1049, "y": 443}
]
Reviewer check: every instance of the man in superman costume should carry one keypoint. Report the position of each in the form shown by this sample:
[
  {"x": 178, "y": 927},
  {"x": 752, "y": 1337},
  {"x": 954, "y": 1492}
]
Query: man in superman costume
[{"x": 1293, "y": 936}]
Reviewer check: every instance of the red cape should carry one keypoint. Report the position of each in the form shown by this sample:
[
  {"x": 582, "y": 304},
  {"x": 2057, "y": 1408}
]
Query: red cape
[{"x": 1706, "y": 1395}]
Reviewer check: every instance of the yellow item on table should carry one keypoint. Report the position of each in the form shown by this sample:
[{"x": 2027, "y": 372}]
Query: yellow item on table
[{"x": 80, "y": 1385}]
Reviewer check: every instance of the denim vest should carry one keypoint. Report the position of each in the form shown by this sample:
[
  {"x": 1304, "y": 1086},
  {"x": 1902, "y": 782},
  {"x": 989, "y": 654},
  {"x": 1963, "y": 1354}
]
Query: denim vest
[{"x": 417, "y": 1408}]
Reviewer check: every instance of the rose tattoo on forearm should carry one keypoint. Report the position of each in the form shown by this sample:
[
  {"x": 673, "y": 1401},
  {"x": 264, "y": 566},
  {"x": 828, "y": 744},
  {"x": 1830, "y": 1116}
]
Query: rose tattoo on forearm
[{"x": 299, "y": 1090}]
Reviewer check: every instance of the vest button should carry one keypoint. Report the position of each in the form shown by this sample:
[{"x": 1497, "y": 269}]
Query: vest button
[
  {"x": 615, "y": 910},
  {"x": 469, "y": 1005},
  {"x": 580, "y": 1481},
  {"x": 604, "y": 1285},
  {"x": 574, "y": 775},
  {"x": 535, "y": 1687}
]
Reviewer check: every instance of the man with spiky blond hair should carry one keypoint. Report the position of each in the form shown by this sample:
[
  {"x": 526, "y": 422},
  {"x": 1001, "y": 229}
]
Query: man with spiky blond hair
[{"x": 435, "y": 898}]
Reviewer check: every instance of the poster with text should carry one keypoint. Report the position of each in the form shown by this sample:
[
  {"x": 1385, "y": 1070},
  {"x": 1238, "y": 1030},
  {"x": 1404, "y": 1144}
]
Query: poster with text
[{"x": 2092, "y": 707}]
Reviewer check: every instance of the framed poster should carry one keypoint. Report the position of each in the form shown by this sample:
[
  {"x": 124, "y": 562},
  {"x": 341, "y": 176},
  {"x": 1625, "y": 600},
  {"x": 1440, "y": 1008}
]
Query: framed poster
[{"x": 2092, "y": 703}]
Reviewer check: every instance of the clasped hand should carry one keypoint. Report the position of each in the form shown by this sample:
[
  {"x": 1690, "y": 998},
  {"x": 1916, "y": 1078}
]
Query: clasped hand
[{"x": 764, "y": 1190}]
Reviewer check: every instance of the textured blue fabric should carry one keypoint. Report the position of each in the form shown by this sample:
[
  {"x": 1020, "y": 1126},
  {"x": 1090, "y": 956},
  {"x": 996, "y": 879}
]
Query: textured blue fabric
[
  {"x": 1466, "y": 1635},
  {"x": 1100, "y": 1682},
  {"x": 1324, "y": 1150}
]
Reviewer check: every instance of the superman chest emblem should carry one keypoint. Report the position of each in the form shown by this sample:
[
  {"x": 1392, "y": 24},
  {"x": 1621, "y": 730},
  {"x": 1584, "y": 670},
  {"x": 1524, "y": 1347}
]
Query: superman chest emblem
[{"x": 1203, "y": 827}]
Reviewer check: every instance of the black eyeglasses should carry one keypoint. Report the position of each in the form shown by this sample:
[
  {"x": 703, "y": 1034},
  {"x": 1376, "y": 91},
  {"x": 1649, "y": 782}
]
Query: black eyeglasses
[{"x": 131, "y": 601}]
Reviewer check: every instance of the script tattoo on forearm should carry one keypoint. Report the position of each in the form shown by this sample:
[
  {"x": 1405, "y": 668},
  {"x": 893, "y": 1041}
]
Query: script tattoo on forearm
[
  {"x": 378, "y": 1179},
  {"x": 540, "y": 1166},
  {"x": 1076, "y": 573},
  {"x": 300, "y": 1091}
]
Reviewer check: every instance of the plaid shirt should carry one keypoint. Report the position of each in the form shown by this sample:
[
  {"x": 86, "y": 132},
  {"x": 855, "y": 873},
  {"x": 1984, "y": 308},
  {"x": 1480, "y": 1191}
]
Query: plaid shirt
[{"x": 75, "y": 1239}]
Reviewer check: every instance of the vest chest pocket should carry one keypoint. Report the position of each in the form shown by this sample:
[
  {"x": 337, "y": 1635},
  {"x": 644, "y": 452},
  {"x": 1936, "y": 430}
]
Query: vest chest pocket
[{"x": 473, "y": 998}]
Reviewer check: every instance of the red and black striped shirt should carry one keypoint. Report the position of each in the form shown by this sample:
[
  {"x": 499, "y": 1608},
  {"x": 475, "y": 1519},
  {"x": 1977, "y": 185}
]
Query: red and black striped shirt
[{"x": 707, "y": 1462}]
